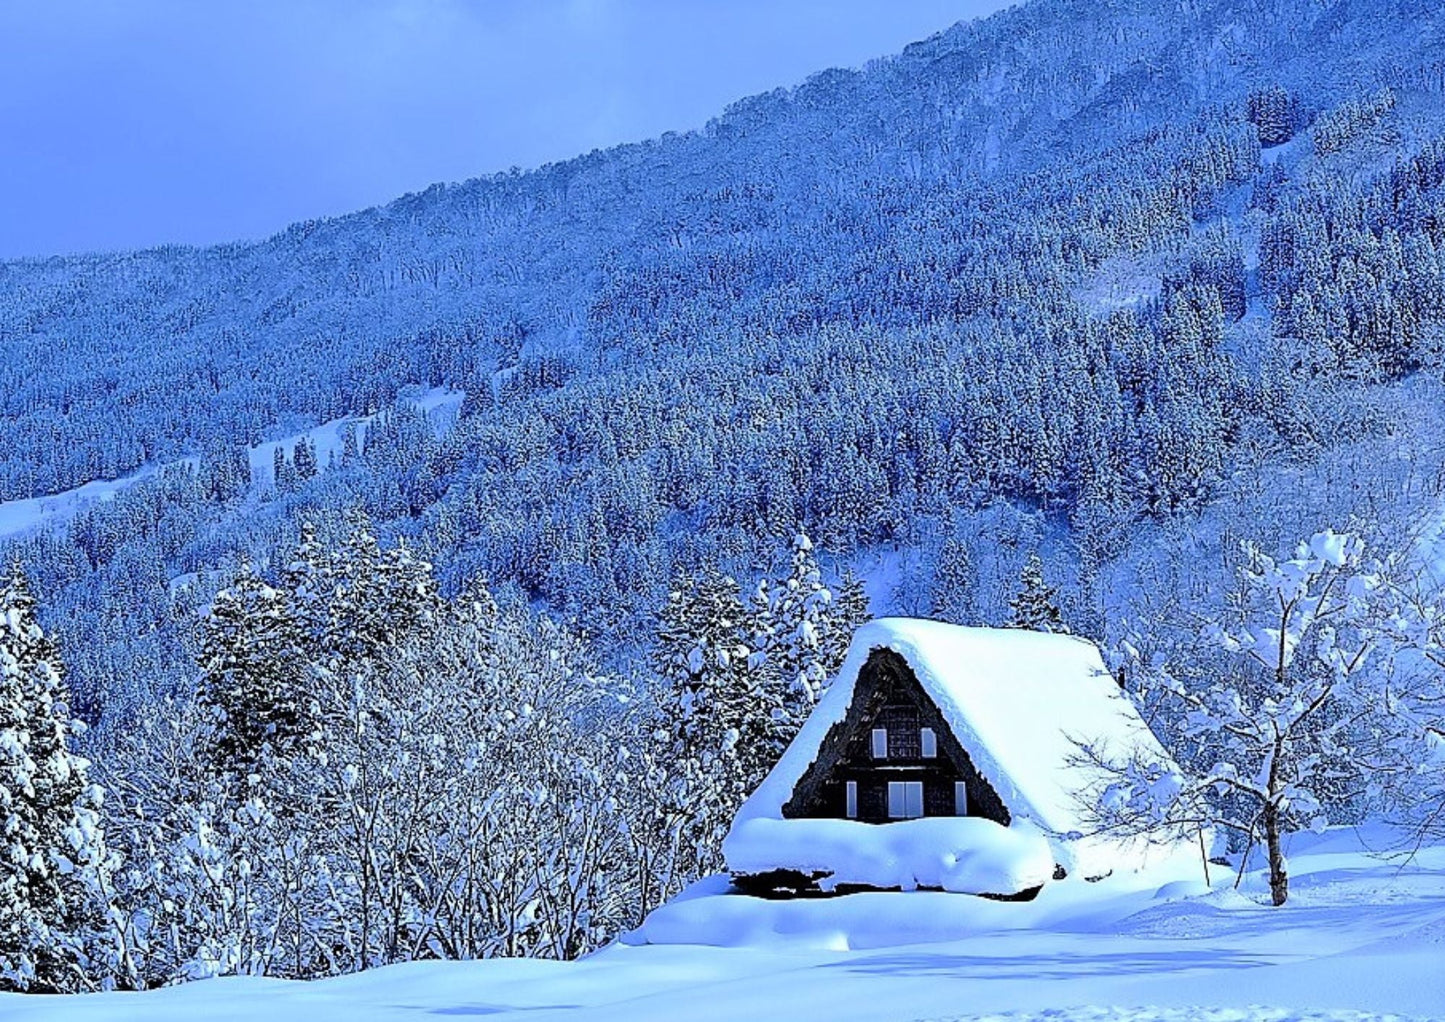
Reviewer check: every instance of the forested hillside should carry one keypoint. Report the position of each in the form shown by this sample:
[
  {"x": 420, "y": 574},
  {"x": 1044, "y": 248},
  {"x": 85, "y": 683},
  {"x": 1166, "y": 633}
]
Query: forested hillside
[
  {"x": 1114, "y": 283},
  {"x": 1070, "y": 257}
]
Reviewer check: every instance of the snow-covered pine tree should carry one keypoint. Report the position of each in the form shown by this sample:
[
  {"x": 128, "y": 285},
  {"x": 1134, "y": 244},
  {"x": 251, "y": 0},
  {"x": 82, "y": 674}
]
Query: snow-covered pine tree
[
  {"x": 1275, "y": 113},
  {"x": 357, "y": 601},
  {"x": 803, "y": 633},
  {"x": 850, "y": 612},
  {"x": 255, "y": 679},
  {"x": 303, "y": 456},
  {"x": 310, "y": 578},
  {"x": 954, "y": 581},
  {"x": 1036, "y": 606},
  {"x": 720, "y": 713},
  {"x": 53, "y": 862}
]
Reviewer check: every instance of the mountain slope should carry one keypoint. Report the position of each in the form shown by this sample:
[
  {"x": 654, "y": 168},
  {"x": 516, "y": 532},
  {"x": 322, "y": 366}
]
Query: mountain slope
[{"x": 1081, "y": 257}]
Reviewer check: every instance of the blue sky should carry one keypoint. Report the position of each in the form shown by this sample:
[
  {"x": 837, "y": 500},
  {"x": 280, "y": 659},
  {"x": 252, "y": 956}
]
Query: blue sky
[{"x": 126, "y": 123}]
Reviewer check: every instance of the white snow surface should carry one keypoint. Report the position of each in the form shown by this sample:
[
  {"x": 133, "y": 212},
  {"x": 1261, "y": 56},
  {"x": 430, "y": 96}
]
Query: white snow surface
[
  {"x": 1361, "y": 938},
  {"x": 441, "y": 405},
  {"x": 18, "y": 517},
  {"x": 968, "y": 855},
  {"x": 1019, "y": 702}
]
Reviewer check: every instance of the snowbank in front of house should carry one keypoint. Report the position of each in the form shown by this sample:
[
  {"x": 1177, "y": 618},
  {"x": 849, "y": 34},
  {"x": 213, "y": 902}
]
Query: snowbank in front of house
[
  {"x": 713, "y": 913},
  {"x": 1021, "y": 703},
  {"x": 966, "y": 855}
]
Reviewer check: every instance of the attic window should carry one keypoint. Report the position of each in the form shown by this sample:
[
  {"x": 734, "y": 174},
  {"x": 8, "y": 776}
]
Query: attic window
[
  {"x": 851, "y": 801},
  {"x": 930, "y": 743},
  {"x": 960, "y": 799},
  {"x": 880, "y": 743},
  {"x": 905, "y": 800}
]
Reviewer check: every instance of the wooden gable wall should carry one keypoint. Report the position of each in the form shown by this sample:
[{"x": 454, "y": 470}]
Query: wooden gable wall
[{"x": 887, "y": 695}]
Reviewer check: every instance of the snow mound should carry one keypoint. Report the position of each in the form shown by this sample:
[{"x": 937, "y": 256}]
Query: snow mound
[
  {"x": 967, "y": 855},
  {"x": 870, "y": 920},
  {"x": 1252, "y": 1014}
]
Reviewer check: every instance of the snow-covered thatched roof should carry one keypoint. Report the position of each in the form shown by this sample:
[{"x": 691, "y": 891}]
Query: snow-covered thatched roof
[{"x": 1019, "y": 702}]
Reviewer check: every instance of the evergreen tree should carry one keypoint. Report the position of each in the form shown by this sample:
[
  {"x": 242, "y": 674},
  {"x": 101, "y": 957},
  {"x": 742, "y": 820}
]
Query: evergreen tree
[
  {"x": 303, "y": 456},
  {"x": 1275, "y": 113},
  {"x": 802, "y": 632},
  {"x": 358, "y": 601},
  {"x": 1036, "y": 606},
  {"x": 954, "y": 582},
  {"x": 850, "y": 613},
  {"x": 350, "y": 444},
  {"x": 53, "y": 863},
  {"x": 255, "y": 682},
  {"x": 719, "y": 713},
  {"x": 283, "y": 472},
  {"x": 226, "y": 471}
]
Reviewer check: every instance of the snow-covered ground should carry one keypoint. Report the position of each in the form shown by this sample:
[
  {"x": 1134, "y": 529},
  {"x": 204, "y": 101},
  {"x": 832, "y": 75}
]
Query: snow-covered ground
[
  {"x": 21, "y": 516},
  {"x": 440, "y": 404},
  {"x": 17, "y": 517},
  {"x": 1361, "y": 938}
]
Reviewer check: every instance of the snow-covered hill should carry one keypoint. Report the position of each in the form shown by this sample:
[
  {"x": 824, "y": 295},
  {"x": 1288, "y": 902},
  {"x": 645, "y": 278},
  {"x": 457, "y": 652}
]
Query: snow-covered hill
[{"x": 1361, "y": 938}]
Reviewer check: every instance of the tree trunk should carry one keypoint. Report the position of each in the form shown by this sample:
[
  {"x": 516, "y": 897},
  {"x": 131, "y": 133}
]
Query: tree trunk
[{"x": 1278, "y": 878}]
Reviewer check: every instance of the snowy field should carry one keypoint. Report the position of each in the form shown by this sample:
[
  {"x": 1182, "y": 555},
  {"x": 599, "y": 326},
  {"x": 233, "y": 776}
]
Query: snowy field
[{"x": 1361, "y": 938}]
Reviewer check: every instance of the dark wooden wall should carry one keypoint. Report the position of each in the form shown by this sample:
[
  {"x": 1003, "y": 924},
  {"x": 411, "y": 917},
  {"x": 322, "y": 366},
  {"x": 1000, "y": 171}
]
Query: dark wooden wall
[{"x": 888, "y": 694}]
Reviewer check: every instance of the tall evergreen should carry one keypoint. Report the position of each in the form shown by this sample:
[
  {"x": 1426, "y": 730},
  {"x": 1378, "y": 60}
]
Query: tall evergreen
[
  {"x": 1036, "y": 606},
  {"x": 53, "y": 861},
  {"x": 802, "y": 629},
  {"x": 283, "y": 471},
  {"x": 719, "y": 715},
  {"x": 303, "y": 456},
  {"x": 254, "y": 683},
  {"x": 850, "y": 612},
  {"x": 955, "y": 580}
]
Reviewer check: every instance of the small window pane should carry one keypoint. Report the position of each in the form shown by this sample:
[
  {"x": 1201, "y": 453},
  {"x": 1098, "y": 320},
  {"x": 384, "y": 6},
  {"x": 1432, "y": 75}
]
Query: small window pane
[
  {"x": 960, "y": 799},
  {"x": 930, "y": 743},
  {"x": 880, "y": 743},
  {"x": 851, "y": 807},
  {"x": 905, "y": 800}
]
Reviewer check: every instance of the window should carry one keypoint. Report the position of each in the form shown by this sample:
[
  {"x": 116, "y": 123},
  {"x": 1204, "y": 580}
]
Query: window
[
  {"x": 960, "y": 799},
  {"x": 930, "y": 743},
  {"x": 905, "y": 800},
  {"x": 851, "y": 801},
  {"x": 880, "y": 743}
]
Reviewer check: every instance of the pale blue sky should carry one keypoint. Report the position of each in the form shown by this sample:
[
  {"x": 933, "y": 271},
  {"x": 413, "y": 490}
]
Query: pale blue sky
[{"x": 133, "y": 122}]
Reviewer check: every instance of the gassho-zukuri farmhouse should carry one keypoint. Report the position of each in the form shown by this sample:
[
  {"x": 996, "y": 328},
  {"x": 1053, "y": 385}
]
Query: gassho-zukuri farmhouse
[{"x": 948, "y": 758}]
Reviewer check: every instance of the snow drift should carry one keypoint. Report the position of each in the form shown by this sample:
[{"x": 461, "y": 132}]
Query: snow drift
[{"x": 966, "y": 855}]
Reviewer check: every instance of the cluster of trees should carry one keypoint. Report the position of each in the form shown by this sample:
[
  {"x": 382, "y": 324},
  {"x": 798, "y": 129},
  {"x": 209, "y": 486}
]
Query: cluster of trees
[
  {"x": 1356, "y": 277},
  {"x": 917, "y": 192},
  {"x": 739, "y": 674},
  {"x": 1314, "y": 699},
  {"x": 674, "y": 351},
  {"x": 367, "y": 772}
]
